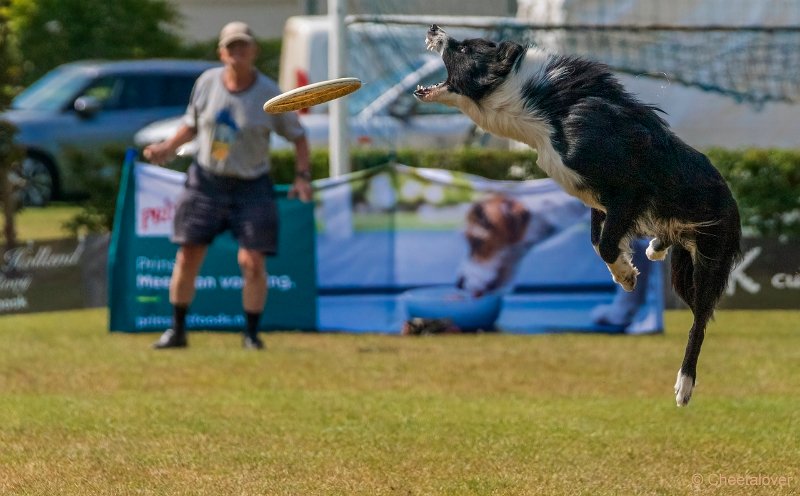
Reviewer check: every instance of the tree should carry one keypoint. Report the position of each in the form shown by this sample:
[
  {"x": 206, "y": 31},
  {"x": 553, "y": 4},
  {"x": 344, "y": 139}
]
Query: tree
[
  {"x": 9, "y": 152},
  {"x": 51, "y": 32}
]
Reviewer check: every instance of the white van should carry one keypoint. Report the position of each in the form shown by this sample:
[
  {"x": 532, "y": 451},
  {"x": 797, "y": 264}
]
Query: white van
[{"x": 304, "y": 51}]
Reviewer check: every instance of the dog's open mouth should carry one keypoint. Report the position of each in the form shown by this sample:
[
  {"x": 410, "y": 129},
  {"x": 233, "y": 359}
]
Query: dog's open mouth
[
  {"x": 426, "y": 93},
  {"x": 435, "y": 41}
]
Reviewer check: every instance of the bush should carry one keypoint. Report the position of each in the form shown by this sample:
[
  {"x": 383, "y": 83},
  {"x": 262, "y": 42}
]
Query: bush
[
  {"x": 101, "y": 176},
  {"x": 51, "y": 32},
  {"x": 10, "y": 156},
  {"x": 766, "y": 183},
  {"x": 492, "y": 164},
  {"x": 268, "y": 60}
]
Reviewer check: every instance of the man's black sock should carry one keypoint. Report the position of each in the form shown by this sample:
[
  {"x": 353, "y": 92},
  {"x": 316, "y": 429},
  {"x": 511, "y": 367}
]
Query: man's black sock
[
  {"x": 252, "y": 323},
  {"x": 179, "y": 318}
]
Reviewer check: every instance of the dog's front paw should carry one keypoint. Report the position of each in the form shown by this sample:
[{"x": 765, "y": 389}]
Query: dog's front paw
[
  {"x": 625, "y": 277},
  {"x": 653, "y": 253},
  {"x": 683, "y": 389}
]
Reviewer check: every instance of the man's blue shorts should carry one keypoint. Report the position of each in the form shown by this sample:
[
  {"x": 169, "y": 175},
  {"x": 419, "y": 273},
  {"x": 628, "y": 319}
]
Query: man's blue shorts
[{"x": 211, "y": 204}]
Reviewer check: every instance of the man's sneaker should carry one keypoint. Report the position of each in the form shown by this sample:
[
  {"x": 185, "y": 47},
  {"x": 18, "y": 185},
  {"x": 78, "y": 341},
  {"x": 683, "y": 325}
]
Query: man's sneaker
[
  {"x": 252, "y": 342},
  {"x": 171, "y": 339}
]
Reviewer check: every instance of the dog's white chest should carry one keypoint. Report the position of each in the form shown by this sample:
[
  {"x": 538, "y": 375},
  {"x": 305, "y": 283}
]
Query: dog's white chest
[{"x": 504, "y": 116}]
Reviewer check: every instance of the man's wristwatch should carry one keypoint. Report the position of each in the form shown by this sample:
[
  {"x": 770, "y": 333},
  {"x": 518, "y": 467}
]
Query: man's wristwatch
[{"x": 303, "y": 174}]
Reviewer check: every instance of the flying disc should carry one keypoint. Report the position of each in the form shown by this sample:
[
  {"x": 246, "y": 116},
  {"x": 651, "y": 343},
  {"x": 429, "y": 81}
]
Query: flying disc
[{"x": 312, "y": 94}]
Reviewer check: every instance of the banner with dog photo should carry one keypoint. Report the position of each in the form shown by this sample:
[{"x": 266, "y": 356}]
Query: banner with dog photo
[
  {"x": 402, "y": 249},
  {"x": 391, "y": 249}
]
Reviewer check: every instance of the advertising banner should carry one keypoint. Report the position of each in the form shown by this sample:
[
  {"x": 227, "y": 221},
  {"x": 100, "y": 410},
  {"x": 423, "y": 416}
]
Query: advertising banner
[
  {"x": 51, "y": 275},
  {"x": 141, "y": 258},
  {"x": 385, "y": 249},
  {"x": 397, "y": 243},
  {"x": 767, "y": 277}
]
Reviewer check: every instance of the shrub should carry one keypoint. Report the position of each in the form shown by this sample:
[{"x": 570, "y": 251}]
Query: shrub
[
  {"x": 492, "y": 164},
  {"x": 766, "y": 183}
]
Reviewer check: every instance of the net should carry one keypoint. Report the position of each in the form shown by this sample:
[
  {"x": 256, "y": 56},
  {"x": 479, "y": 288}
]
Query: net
[{"x": 744, "y": 49}]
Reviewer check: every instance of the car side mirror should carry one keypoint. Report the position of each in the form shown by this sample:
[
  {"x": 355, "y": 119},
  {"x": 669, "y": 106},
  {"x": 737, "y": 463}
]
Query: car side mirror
[{"x": 86, "y": 106}]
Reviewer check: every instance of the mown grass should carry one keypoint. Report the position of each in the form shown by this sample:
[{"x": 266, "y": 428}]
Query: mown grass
[
  {"x": 44, "y": 223},
  {"x": 83, "y": 411}
]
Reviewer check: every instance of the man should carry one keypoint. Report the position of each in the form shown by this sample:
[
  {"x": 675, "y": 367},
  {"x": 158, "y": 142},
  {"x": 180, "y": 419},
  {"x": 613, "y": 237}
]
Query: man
[{"x": 228, "y": 185}]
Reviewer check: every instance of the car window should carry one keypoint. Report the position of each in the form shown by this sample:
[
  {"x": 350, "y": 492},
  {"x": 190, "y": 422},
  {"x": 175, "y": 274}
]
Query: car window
[
  {"x": 176, "y": 89},
  {"x": 55, "y": 91},
  {"x": 105, "y": 90},
  {"x": 142, "y": 91},
  {"x": 139, "y": 92}
]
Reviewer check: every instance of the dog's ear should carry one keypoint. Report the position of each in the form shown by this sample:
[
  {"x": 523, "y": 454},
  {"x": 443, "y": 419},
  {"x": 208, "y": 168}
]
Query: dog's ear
[
  {"x": 517, "y": 222},
  {"x": 507, "y": 54}
]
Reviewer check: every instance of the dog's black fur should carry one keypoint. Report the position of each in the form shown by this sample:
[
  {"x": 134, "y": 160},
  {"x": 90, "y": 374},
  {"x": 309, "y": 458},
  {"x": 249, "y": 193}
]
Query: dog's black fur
[{"x": 614, "y": 153}]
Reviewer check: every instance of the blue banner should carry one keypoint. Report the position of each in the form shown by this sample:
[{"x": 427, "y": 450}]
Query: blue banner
[
  {"x": 394, "y": 243},
  {"x": 384, "y": 247}
]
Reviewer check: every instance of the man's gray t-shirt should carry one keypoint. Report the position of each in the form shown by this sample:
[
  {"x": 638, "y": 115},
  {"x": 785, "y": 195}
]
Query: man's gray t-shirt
[{"x": 232, "y": 128}]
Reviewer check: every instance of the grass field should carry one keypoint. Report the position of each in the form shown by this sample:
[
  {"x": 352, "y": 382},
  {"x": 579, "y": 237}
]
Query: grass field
[
  {"x": 86, "y": 412},
  {"x": 44, "y": 223}
]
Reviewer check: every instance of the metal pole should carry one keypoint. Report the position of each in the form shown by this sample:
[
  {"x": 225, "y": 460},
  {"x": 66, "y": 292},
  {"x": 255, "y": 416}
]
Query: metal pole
[{"x": 337, "y": 58}]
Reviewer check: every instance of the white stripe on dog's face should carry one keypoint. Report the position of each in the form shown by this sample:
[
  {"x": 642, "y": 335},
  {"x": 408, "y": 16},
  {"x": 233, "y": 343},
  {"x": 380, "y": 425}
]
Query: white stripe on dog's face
[{"x": 435, "y": 39}]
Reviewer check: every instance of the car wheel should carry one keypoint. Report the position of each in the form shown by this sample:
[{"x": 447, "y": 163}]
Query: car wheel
[{"x": 35, "y": 181}]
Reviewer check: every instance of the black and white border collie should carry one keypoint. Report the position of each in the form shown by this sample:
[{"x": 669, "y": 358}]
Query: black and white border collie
[{"x": 615, "y": 154}]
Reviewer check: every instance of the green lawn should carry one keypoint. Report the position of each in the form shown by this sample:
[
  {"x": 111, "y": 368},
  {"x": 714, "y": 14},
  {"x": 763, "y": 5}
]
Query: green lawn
[
  {"x": 44, "y": 223},
  {"x": 83, "y": 411}
]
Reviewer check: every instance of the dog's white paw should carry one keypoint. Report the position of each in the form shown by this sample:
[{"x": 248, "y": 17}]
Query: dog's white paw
[
  {"x": 654, "y": 254},
  {"x": 683, "y": 389}
]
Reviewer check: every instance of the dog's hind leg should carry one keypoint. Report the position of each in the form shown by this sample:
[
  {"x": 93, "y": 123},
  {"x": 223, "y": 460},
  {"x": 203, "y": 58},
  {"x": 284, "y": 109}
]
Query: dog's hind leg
[
  {"x": 614, "y": 246},
  {"x": 700, "y": 279}
]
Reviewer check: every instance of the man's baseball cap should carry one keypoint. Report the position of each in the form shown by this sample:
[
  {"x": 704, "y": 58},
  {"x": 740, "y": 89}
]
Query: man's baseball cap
[{"x": 235, "y": 31}]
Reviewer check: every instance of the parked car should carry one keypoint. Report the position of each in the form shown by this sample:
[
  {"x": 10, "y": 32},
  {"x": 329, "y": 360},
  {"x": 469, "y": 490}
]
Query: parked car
[
  {"x": 383, "y": 114},
  {"x": 87, "y": 106}
]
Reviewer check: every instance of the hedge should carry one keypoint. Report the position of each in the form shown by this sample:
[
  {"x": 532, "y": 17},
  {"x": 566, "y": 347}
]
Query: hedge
[
  {"x": 492, "y": 164},
  {"x": 766, "y": 183}
]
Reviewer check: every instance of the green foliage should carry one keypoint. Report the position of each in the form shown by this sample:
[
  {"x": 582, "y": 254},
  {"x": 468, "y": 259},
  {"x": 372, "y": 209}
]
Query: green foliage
[
  {"x": 51, "y": 32},
  {"x": 7, "y": 67},
  {"x": 492, "y": 164},
  {"x": 10, "y": 153},
  {"x": 48, "y": 33},
  {"x": 766, "y": 183},
  {"x": 101, "y": 175},
  {"x": 268, "y": 60}
]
